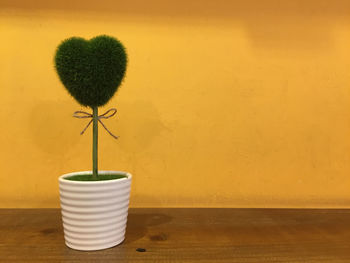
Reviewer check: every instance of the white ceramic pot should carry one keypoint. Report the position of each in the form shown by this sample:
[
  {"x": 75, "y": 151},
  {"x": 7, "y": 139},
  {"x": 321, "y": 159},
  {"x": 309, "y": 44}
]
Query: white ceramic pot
[{"x": 94, "y": 213}]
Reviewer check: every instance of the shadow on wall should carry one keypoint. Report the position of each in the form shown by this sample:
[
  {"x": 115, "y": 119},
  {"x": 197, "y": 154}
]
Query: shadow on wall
[
  {"x": 48, "y": 124},
  {"x": 139, "y": 124},
  {"x": 268, "y": 24}
]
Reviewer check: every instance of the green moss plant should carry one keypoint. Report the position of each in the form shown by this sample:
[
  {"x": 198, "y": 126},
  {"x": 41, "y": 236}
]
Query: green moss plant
[
  {"x": 92, "y": 71},
  {"x": 101, "y": 177}
]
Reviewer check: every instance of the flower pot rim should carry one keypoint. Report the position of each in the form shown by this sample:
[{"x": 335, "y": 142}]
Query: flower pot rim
[{"x": 62, "y": 180}]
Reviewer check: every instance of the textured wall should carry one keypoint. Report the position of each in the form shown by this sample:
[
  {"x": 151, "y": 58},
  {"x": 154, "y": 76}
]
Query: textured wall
[{"x": 225, "y": 103}]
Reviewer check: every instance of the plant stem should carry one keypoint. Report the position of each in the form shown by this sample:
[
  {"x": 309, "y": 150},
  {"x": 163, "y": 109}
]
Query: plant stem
[{"x": 94, "y": 142}]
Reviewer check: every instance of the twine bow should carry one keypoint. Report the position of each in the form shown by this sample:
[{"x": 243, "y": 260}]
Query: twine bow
[{"x": 106, "y": 115}]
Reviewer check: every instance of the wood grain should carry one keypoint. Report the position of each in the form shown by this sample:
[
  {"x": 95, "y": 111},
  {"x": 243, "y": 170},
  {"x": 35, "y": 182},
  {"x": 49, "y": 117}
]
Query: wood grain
[{"x": 188, "y": 235}]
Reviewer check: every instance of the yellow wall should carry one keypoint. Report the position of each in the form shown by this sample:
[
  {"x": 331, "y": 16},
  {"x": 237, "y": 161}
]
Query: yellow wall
[{"x": 225, "y": 103}]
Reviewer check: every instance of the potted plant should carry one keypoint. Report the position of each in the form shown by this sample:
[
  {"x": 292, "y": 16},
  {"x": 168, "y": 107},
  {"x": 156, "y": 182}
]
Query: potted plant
[{"x": 94, "y": 204}]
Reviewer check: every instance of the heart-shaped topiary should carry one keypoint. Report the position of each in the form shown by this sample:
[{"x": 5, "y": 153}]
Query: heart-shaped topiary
[{"x": 91, "y": 70}]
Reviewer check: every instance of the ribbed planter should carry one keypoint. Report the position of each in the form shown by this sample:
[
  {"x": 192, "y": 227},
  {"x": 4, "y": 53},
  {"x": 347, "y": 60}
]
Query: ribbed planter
[{"x": 94, "y": 213}]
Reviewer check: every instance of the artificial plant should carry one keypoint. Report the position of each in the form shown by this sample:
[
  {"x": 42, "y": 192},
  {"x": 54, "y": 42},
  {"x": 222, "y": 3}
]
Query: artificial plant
[{"x": 92, "y": 71}]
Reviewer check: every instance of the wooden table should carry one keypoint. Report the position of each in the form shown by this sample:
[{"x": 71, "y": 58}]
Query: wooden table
[{"x": 188, "y": 235}]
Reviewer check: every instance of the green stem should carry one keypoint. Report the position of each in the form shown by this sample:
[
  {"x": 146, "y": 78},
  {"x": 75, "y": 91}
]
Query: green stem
[{"x": 94, "y": 142}]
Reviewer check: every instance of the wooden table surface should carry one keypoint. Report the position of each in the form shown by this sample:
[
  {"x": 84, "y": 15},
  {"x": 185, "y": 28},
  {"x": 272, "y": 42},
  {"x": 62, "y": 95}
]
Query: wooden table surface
[{"x": 188, "y": 235}]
